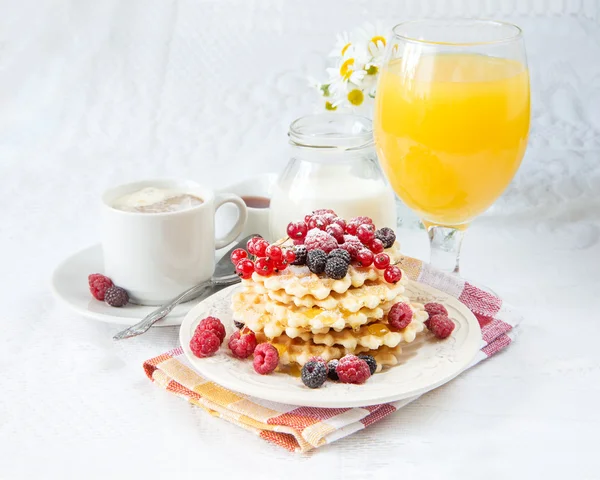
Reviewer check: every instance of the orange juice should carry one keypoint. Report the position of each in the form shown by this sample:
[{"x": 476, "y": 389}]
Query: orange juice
[{"x": 451, "y": 130}]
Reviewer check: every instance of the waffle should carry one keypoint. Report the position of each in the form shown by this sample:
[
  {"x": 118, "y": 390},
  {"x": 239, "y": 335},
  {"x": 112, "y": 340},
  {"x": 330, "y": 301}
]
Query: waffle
[
  {"x": 372, "y": 336},
  {"x": 297, "y": 351},
  {"x": 260, "y": 313},
  {"x": 299, "y": 281},
  {"x": 369, "y": 295}
]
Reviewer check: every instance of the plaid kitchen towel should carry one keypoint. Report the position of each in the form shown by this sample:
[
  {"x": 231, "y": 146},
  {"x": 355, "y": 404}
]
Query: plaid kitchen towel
[{"x": 304, "y": 428}]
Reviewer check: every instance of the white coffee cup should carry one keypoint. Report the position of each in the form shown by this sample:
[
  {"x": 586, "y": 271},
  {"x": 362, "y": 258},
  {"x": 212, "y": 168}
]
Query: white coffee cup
[{"x": 156, "y": 256}]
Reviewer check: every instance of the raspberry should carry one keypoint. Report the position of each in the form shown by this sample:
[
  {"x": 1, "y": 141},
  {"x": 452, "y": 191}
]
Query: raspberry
[
  {"x": 237, "y": 324},
  {"x": 331, "y": 367},
  {"x": 336, "y": 232},
  {"x": 336, "y": 268},
  {"x": 441, "y": 326},
  {"x": 376, "y": 246},
  {"x": 371, "y": 362},
  {"x": 340, "y": 253},
  {"x": 365, "y": 258},
  {"x": 204, "y": 343},
  {"x": 399, "y": 316},
  {"x": 300, "y": 251},
  {"x": 324, "y": 211},
  {"x": 316, "y": 238},
  {"x": 99, "y": 284},
  {"x": 352, "y": 245},
  {"x": 392, "y": 274},
  {"x": 316, "y": 261},
  {"x": 435, "y": 309},
  {"x": 242, "y": 346},
  {"x": 386, "y": 235},
  {"x": 352, "y": 369},
  {"x": 365, "y": 233},
  {"x": 266, "y": 358},
  {"x": 319, "y": 360},
  {"x": 116, "y": 296},
  {"x": 212, "y": 324},
  {"x": 314, "y": 374}
]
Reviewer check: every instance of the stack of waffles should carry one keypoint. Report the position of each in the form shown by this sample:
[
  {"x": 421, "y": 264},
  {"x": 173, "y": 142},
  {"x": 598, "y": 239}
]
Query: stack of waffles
[{"x": 305, "y": 315}]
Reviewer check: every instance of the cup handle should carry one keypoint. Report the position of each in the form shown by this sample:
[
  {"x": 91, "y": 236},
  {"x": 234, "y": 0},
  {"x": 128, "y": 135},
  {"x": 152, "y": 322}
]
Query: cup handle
[{"x": 235, "y": 231}]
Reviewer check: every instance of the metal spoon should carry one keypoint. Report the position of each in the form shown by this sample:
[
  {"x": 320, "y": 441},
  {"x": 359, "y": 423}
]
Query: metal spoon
[{"x": 223, "y": 276}]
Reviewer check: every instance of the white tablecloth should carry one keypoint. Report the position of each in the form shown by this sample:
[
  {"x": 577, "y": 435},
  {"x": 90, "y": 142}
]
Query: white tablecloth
[{"x": 93, "y": 93}]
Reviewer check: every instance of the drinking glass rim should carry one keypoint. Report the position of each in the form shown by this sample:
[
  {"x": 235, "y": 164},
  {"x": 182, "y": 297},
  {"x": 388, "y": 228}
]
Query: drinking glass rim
[{"x": 516, "y": 36}]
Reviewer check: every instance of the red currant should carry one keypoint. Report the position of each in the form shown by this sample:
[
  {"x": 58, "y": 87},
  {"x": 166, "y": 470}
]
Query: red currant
[
  {"x": 336, "y": 231},
  {"x": 376, "y": 246},
  {"x": 260, "y": 248},
  {"x": 307, "y": 218},
  {"x": 351, "y": 228},
  {"x": 289, "y": 256},
  {"x": 274, "y": 253},
  {"x": 392, "y": 274},
  {"x": 297, "y": 230},
  {"x": 250, "y": 244},
  {"x": 237, "y": 255},
  {"x": 366, "y": 233},
  {"x": 365, "y": 258},
  {"x": 263, "y": 266},
  {"x": 381, "y": 261},
  {"x": 244, "y": 268},
  {"x": 340, "y": 221},
  {"x": 280, "y": 264}
]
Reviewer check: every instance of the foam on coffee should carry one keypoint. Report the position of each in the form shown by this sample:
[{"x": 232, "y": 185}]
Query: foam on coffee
[{"x": 156, "y": 200}]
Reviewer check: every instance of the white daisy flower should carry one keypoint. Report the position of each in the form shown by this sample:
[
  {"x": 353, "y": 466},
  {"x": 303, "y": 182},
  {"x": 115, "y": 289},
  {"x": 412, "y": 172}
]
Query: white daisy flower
[
  {"x": 373, "y": 37},
  {"x": 342, "y": 45},
  {"x": 353, "y": 97}
]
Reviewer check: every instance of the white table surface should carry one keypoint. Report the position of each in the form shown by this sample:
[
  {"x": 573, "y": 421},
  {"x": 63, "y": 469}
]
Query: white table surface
[{"x": 95, "y": 93}]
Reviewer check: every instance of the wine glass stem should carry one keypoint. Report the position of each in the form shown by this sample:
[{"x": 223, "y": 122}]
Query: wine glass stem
[{"x": 445, "y": 247}]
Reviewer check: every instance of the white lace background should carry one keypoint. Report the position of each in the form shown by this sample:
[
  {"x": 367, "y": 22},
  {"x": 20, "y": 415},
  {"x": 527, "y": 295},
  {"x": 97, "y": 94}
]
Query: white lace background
[{"x": 94, "y": 93}]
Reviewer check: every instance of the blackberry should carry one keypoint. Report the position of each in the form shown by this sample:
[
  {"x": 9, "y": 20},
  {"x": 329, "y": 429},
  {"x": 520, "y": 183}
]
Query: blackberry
[
  {"x": 340, "y": 253},
  {"x": 387, "y": 236},
  {"x": 300, "y": 251},
  {"x": 332, "y": 365},
  {"x": 316, "y": 260},
  {"x": 116, "y": 297},
  {"x": 371, "y": 362},
  {"x": 336, "y": 268},
  {"x": 238, "y": 325},
  {"x": 314, "y": 374}
]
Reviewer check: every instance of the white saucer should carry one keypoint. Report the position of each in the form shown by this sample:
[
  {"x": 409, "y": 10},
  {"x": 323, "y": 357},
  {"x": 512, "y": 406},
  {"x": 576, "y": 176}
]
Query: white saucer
[
  {"x": 70, "y": 285},
  {"x": 424, "y": 365}
]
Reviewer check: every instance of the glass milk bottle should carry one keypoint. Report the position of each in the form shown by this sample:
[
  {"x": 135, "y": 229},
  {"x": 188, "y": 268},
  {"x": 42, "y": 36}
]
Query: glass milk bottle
[{"x": 333, "y": 165}]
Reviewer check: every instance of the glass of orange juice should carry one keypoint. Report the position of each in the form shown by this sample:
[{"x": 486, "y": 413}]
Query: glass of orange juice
[{"x": 451, "y": 122}]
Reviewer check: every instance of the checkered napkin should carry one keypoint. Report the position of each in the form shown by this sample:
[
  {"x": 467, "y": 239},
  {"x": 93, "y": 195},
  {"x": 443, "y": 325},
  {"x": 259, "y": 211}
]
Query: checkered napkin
[{"x": 301, "y": 429}]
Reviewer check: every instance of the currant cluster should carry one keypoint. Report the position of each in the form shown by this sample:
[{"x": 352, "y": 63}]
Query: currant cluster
[
  {"x": 324, "y": 230},
  {"x": 261, "y": 257}
]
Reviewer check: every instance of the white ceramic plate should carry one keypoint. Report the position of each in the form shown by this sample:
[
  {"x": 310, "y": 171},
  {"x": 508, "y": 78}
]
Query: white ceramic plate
[
  {"x": 70, "y": 285},
  {"x": 425, "y": 364}
]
